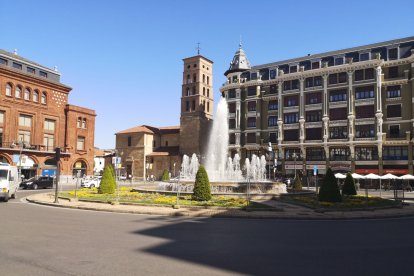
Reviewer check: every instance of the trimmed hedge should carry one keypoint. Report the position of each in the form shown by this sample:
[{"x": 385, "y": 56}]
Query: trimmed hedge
[
  {"x": 329, "y": 191},
  {"x": 108, "y": 183},
  {"x": 349, "y": 185},
  {"x": 165, "y": 176},
  {"x": 201, "y": 191}
]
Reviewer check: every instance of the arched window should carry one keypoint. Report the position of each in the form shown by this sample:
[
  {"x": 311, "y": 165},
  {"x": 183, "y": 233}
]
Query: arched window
[
  {"x": 204, "y": 91},
  {"x": 36, "y": 96},
  {"x": 194, "y": 78},
  {"x": 204, "y": 78},
  {"x": 208, "y": 92},
  {"x": 79, "y": 123},
  {"x": 84, "y": 123},
  {"x": 43, "y": 100},
  {"x": 204, "y": 105},
  {"x": 18, "y": 92},
  {"x": 27, "y": 94},
  {"x": 208, "y": 106},
  {"x": 208, "y": 80},
  {"x": 8, "y": 89},
  {"x": 188, "y": 79},
  {"x": 194, "y": 90},
  {"x": 188, "y": 91}
]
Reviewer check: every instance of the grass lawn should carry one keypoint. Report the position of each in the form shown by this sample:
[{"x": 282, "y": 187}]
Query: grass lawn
[
  {"x": 348, "y": 203},
  {"x": 126, "y": 196}
]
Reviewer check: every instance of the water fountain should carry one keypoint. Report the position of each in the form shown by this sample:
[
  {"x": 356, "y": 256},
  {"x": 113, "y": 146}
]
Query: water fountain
[{"x": 225, "y": 173}]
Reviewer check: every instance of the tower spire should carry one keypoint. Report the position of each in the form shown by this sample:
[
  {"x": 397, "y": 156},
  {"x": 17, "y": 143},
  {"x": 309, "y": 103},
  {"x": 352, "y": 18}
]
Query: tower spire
[{"x": 240, "y": 43}]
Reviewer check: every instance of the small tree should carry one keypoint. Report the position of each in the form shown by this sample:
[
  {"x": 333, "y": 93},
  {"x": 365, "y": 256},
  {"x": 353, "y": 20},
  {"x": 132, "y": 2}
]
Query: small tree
[
  {"x": 201, "y": 191},
  {"x": 108, "y": 183},
  {"x": 297, "y": 184},
  {"x": 349, "y": 185},
  {"x": 165, "y": 176},
  {"x": 329, "y": 190}
]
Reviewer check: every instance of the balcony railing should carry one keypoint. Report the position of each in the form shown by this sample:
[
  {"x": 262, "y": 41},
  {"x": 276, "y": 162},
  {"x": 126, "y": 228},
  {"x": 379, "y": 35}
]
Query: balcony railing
[{"x": 26, "y": 146}]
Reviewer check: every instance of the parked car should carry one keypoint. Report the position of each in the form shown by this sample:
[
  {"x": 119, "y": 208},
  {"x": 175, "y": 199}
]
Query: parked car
[
  {"x": 91, "y": 183},
  {"x": 42, "y": 182}
]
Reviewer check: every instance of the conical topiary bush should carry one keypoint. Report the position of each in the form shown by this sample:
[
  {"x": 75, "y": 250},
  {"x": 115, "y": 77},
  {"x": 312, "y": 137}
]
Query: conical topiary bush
[
  {"x": 349, "y": 185},
  {"x": 165, "y": 176},
  {"x": 108, "y": 183},
  {"x": 329, "y": 190},
  {"x": 297, "y": 184},
  {"x": 201, "y": 191}
]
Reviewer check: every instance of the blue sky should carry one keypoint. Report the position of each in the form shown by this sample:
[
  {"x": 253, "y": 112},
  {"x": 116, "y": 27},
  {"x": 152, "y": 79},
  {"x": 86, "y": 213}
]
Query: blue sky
[{"x": 124, "y": 58}]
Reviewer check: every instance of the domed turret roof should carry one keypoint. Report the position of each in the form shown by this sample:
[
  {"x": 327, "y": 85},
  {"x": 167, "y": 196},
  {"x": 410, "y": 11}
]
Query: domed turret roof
[{"x": 239, "y": 63}]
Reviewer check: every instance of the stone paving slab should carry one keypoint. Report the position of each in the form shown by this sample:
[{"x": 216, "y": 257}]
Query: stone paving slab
[{"x": 282, "y": 211}]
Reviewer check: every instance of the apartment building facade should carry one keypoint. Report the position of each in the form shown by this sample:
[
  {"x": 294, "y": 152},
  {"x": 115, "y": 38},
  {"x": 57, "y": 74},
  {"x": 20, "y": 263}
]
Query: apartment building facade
[
  {"x": 351, "y": 109},
  {"x": 35, "y": 118}
]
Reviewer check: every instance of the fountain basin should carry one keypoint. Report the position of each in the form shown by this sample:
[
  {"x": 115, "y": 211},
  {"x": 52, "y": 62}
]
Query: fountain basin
[{"x": 222, "y": 187}]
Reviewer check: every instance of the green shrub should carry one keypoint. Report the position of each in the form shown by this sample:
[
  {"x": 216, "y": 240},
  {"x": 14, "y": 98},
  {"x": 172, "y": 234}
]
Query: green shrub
[
  {"x": 108, "y": 183},
  {"x": 329, "y": 191},
  {"x": 201, "y": 191},
  {"x": 165, "y": 176},
  {"x": 349, "y": 185},
  {"x": 297, "y": 184}
]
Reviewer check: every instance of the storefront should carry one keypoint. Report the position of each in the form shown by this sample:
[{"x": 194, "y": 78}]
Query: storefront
[
  {"x": 79, "y": 168},
  {"x": 28, "y": 167}
]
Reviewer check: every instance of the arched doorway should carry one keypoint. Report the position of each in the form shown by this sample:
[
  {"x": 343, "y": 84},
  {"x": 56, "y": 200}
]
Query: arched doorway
[
  {"x": 49, "y": 168},
  {"x": 28, "y": 167},
  {"x": 79, "y": 167},
  {"x": 4, "y": 160}
]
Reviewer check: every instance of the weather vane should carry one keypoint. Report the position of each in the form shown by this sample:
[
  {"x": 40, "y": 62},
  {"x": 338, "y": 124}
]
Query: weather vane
[{"x": 198, "y": 48}]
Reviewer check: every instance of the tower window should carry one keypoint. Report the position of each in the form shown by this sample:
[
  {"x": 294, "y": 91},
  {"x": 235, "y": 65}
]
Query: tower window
[
  {"x": 193, "y": 105},
  {"x": 166, "y": 143},
  {"x": 208, "y": 106},
  {"x": 194, "y": 78},
  {"x": 208, "y": 80},
  {"x": 204, "y": 78},
  {"x": 187, "y": 106},
  {"x": 129, "y": 141},
  {"x": 204, "y": 91},
  {"x": 208, "y": 92}
]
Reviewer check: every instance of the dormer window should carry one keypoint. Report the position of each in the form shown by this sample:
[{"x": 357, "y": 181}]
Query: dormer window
[
  {"x": 17, "y": 65},
  {"x": 253, "y": 76},
  {"x": 316, "y": 64},
  {"x": 364, "y": 56},
  {"x": 339, "y": 60},
  {"x": 293, "y": 68},
  {"x": 43, "y": 74},
  {"x": 273, "y": 73},
  {"x": 393, "y": 53}
]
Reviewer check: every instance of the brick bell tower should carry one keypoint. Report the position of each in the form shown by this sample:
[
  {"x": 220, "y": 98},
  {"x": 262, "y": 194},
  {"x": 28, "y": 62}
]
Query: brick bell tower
[{"x": 197, "y": 104}]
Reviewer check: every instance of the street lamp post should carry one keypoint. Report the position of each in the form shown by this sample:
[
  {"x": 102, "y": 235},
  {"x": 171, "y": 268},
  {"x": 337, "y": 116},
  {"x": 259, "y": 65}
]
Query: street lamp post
[
  {"x": 20, "y": 159},
  {"x": 270, "y": 151},
  {"x": 294, "y": 158},
  {"x": 174, "y": 169}
]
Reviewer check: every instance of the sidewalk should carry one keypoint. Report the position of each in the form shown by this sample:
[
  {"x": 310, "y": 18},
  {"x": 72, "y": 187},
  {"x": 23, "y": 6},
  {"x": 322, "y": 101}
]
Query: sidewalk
[{"x": 282, "y": 210}]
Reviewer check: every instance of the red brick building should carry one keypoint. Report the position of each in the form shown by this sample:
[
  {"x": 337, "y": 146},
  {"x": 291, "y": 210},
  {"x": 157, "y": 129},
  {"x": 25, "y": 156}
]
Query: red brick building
[{"x": 35, "y": 118}]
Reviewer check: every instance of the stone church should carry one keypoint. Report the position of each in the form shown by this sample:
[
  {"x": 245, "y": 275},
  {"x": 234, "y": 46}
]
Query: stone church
[{"x": 147, "y": 150}]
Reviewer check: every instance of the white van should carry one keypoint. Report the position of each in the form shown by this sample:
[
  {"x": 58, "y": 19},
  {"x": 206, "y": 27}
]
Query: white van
[{"x": 9, "y": 182}]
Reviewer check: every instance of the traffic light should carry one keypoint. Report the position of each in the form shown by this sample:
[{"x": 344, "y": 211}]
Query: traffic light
[{"x": 57, "y": 154}]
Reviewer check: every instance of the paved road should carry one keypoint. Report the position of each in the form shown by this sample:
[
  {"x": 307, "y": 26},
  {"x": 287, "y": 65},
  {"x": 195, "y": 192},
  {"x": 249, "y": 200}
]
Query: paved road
[{"x": 39, "y": 240}]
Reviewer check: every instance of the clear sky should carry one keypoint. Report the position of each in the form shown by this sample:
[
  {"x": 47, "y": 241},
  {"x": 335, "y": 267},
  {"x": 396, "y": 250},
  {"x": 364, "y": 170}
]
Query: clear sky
[{"x": 124, "y": 58}]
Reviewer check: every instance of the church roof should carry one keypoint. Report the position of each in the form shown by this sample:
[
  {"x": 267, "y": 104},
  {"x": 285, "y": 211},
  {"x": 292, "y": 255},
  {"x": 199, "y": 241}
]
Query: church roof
[
  {"x": 239, "y": 63},
  {"x": 151, "y": 130}
]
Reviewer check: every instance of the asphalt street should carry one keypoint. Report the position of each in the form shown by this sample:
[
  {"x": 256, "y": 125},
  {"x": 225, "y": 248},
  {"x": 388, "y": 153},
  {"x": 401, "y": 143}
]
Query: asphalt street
[{"x": 39, "y": 240}]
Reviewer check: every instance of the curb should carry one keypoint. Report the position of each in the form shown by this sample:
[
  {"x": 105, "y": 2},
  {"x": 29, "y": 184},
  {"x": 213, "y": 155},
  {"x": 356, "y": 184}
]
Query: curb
[{"x": 242, "y": 214}]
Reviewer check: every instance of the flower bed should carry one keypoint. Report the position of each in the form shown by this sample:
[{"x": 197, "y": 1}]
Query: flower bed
[
  {"x": 126, "y": 196},
  {"x": 349, "y": 203}
]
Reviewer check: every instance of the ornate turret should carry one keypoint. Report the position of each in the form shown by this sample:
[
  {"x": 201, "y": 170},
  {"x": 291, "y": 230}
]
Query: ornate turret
[{"x": 240, "y": 62}]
